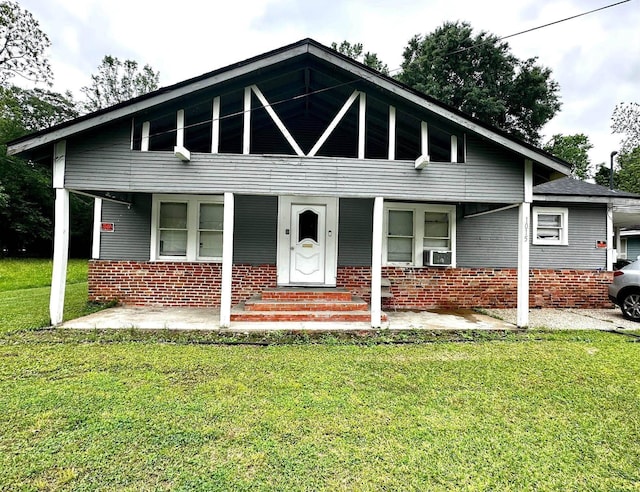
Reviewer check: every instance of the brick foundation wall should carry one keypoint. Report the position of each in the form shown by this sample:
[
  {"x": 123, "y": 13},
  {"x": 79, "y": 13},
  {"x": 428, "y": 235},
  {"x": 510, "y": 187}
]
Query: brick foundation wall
[
  {"x": 173, "y": 283},
  {"x": 198, "y": 285},
  {"x": 432, "y": 288}
]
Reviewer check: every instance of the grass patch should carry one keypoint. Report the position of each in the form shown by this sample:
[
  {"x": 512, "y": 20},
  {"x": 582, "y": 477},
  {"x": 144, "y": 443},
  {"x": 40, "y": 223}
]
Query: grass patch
[
  {"x": 25, "y": 290},
  {"x": 539, "y": 411},
  {"x": 31, "y": 273}
]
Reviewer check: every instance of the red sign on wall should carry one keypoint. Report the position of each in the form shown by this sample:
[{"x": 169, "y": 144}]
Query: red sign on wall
[{"x": 107, "y": 227}]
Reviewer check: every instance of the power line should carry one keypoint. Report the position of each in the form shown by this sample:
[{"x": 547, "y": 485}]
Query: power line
[{"x": 461, "y": 50}]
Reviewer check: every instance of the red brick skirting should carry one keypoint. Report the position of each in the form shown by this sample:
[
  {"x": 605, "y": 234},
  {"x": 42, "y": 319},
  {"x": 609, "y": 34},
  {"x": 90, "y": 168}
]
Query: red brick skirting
[
  {"x": 198, "y": 285},
  {"x": 140, "y": 283}
]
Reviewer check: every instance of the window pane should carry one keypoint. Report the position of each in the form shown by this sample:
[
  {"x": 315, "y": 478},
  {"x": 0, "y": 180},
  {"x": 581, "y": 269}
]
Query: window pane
[
  {"x": 439, "y": 244},
  {"x": 549, "y": 220},
  {"x": 173, "y": 215},
  {"x": 436, "y": 224},
  {"x": 400, "y": 223},
  {"x": 210, "y": 244},
  {"x": 173, "y": 243},
  {"x": 548, "y": 234},
  {"x": 211, "y": 216},
  {"x": 400, "y": 249}
]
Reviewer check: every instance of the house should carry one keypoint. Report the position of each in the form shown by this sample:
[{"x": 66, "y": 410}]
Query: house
[{"x": 303, "y": 168}]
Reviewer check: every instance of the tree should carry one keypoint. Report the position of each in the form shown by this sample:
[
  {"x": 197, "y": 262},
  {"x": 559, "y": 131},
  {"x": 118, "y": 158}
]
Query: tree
[
  {"x": 26, "y": 197},
  {"x": 602, "y": 176},
  {"x": 479, "y": 76},
  {"x": 355, "y": 51},
  {"x": 118, "y": 81},
  {"x": 628, "y": 174},
  {"x": 626, "y": 119},
  {"x": 575, "y": 150},
  {"x": 22, "y": 46}
]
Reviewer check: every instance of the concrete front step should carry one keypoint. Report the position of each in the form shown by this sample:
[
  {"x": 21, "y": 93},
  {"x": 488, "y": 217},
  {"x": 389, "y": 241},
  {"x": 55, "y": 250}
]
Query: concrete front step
[
  {"x": 305, "y": 293},
  {"x": 275, "y": 316},
  {"x": 257, "y": 303}
]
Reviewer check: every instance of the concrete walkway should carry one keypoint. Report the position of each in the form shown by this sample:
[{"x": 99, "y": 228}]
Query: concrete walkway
[{"x": 159, "y": 318}]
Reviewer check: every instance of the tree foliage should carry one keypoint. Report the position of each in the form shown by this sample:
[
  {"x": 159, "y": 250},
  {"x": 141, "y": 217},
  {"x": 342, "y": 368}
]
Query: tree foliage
[
  {"x": 355, "y": 51},
  {"x": 118, "y": 81},
  {"x": 575, "y": 150},
  {"x": 628, "y": 174},
  {"x": 22, "y": 46},
  {"x": 626, "y": 120},
  {"x": 478, "y": 75},
  {"x": 27, "y": 203}
]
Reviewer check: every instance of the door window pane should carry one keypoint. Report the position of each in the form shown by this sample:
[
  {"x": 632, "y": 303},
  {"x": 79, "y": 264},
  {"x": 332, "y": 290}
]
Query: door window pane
[{"x": 308, "y": 226}]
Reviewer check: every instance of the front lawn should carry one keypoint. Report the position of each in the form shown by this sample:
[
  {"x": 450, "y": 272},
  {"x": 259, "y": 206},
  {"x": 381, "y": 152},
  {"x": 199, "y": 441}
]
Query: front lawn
[
  {"x": 136, "y": 411},
  {"x": 25, "y": 288}
]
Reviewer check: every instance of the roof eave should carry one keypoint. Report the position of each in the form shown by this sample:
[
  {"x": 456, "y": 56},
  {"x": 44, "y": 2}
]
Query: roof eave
[{"x": 205, "y": 81}]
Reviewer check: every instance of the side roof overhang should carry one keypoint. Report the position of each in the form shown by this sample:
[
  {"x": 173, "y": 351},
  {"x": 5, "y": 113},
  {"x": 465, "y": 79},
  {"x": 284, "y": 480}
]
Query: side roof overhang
[{"x": 305, "y": 46}]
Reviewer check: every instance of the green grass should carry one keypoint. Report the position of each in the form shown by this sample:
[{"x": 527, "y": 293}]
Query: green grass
[
  {"x": 134, "y": 410},
  {"x": 25, "y": 288},
  {"x": 149, "y": 411}
]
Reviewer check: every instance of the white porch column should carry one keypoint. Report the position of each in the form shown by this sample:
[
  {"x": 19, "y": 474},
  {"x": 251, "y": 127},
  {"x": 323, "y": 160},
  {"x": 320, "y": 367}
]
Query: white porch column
[
  {"x": 610, "y": 250},
  {"x": 524, "y": 241},
  {"x": 227, "y": 261},
  {"x": 60, "y": 235},
  {"x": 97, "y": 220},
  {"x": 376, "y": 263}
]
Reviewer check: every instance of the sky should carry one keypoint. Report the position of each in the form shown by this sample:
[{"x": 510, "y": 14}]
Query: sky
[{"x": 595, "y": 58}]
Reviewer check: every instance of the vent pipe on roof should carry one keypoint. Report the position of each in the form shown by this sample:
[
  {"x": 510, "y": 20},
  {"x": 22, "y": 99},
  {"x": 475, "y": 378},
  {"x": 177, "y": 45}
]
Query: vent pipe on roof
[{"x": 611, "y": 174}]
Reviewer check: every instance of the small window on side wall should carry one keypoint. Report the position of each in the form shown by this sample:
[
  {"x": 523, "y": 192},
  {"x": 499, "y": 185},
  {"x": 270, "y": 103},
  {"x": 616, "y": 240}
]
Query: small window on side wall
[{"x": 550, "y": 226}]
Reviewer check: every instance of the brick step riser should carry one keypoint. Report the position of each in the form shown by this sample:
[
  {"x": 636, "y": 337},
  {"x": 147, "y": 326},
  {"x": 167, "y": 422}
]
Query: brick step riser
[
  {"x": 306, "y": 296},
  {"x": 277, "y": 317},
  {"x": 305, "y": 306}
]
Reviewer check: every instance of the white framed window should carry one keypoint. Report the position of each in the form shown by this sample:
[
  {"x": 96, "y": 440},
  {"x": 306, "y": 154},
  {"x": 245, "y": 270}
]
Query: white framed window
[
  {"x": 187, "y": 228},
  {"x": 551, "y": 226},
  {"x": 418, "y": 234}
]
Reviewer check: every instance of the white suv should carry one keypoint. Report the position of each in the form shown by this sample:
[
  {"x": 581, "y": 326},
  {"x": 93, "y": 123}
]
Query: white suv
[{"x": 625, "y": 290}]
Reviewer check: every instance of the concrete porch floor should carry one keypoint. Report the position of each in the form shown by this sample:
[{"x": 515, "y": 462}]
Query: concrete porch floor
[{"x": 161, "y": 318}]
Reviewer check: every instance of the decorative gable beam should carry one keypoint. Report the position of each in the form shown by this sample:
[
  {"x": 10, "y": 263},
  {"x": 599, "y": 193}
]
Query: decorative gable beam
[
  {"x": 332, "y": 126},
  {"x": 362, "y": 127},
  {"x": 246, "y": 136},
  {"x": 215, "y": 126},
  {"x": 392, "y": 133},
  {"x": 423, "y": 159},
  {"x": 179, "y": 150},
  {"x": 276, "y": 119},
  {"x": 144, "y": 144}
]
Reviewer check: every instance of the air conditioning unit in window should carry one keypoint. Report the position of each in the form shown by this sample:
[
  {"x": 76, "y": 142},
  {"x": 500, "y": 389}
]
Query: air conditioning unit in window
[{"x": 437, "y": 258}]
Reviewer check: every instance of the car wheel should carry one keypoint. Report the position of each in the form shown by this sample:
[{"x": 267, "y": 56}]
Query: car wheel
[{"x": 631, "y": 306}]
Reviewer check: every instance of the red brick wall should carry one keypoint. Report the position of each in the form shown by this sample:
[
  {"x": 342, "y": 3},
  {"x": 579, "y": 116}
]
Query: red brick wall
[
  {"x": 427, "y": 288},
  {"x": 173, "y": 283},
  {"x": 198, "y": 284}
]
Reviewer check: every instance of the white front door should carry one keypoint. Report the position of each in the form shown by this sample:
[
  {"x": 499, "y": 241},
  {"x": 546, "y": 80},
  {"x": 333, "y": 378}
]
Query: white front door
[
  {"x": 307, "y": 240},
  {"x": 308, "y": 243}
]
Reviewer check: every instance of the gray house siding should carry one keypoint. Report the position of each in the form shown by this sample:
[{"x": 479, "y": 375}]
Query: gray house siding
[
  {"x": 488, "y": 240},
  {"x": 355, "y": 230},
  {"x": 491, "y": 241},
  {"x": 131, "y": 238},
  {"x": 255, "y": 230},
  {"x": 633, "y": 248},
  {"x": 104, "y": 161},
  {"x": 587, "y": 224}
]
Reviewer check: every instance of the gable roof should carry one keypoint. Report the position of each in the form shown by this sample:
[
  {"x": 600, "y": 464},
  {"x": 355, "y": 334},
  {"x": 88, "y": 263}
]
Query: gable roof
[{"x": 304, "y": 47}]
